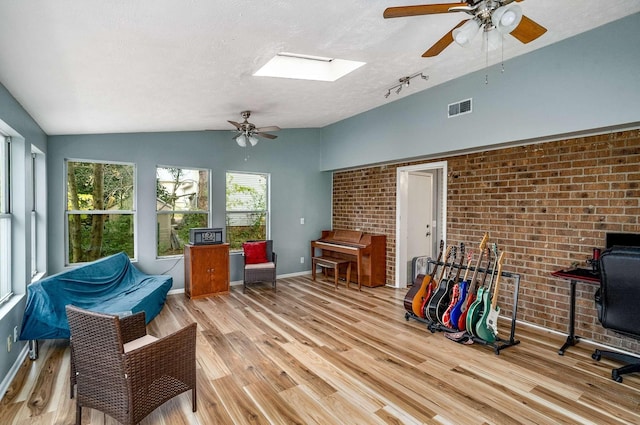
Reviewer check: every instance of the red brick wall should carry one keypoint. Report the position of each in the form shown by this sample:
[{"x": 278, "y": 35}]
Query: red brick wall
[{"x": 546, "y": 205}]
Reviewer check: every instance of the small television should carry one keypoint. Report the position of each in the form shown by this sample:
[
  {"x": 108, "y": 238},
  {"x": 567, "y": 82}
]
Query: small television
[{"x": 622, "y": 239}]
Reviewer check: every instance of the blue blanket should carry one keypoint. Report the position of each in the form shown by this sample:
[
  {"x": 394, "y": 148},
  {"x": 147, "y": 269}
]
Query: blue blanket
[{"x": 109, "y": 285}]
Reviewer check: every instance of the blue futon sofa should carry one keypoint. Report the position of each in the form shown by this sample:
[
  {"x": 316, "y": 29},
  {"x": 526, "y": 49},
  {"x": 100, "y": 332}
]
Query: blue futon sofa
[{"x": 109, "y": 285}]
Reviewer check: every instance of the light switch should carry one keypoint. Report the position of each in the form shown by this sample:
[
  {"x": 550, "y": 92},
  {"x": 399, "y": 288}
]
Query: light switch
[{"x": 301, "y": 220}]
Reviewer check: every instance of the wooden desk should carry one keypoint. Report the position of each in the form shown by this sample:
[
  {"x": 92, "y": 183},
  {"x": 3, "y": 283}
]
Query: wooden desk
[{"x": 574, "y": 276}]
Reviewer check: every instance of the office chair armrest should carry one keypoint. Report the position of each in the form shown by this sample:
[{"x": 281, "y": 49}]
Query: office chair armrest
[
  {"x": 598, "y": 299},
  {"x": 133, "y": 327}
]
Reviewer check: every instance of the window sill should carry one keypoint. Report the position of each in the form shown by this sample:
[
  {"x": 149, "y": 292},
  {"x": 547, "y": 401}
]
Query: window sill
[
  {"x": 38, "y": 276},
  {"x": 9, "y": 305}
]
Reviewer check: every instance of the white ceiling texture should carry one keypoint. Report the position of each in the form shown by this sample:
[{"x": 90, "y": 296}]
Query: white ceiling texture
[{"x": 95, "y": 66}]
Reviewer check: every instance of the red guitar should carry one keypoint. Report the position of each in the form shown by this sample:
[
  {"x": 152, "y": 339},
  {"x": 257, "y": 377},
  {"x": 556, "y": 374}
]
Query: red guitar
[
  {"x": 456, "y": 294},
  {"x": 471, "y": 293}
]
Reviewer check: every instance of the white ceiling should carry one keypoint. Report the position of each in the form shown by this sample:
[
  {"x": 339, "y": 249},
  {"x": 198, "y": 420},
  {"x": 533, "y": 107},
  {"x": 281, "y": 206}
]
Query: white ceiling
[{"x": 95, "y": 66}]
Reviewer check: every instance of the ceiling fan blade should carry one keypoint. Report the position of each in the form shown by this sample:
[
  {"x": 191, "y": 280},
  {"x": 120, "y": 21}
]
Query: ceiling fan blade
[
  {"x": 425, "y": 9},
  {"x": 270, "y": 128},
  {"x": 266, "y": 135},
  {"x": 528, "y": 30},
  {"x": 443, "y": 43},
  {"x": 236, "y": 124}
]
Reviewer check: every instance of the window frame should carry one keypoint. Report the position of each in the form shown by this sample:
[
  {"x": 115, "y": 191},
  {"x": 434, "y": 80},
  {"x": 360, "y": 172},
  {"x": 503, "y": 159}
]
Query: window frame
[
  {"x": 6, "y": 221},
  {"x": 266, "y": 211},
  {"x": 180, "y": 211},
  {"x": 67, "y": 212}
]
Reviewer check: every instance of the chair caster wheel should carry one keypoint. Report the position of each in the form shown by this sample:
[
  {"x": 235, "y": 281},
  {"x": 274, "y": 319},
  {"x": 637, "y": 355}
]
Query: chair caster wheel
[
  {"x": 596, "y": 356},
  {"x": 615, "y": 376},
  {"x": 406, "y": 316}
]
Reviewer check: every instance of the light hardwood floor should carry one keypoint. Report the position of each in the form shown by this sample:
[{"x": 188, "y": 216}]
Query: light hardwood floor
[{"x": 310, "y": 354}]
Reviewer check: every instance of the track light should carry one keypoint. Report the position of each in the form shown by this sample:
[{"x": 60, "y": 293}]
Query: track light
[{"x": 404, "y": 82}]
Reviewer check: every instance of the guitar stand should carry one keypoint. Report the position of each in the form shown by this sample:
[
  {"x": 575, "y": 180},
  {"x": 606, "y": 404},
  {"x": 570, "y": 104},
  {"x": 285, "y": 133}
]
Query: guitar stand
[{"x": 500, "y": 343}]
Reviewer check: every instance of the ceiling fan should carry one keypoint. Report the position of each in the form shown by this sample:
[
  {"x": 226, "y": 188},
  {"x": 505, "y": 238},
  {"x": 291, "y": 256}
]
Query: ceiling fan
[
  {"x": 247, "y": 132},
  {"x": 502, "y": 15}
]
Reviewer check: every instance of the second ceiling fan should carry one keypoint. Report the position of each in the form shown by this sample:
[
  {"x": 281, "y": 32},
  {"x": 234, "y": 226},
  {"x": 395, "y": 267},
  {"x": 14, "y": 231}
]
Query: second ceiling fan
[{"x": 501, "y": 15}]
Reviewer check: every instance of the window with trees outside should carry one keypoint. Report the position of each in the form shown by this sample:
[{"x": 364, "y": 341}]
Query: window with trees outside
[
  {"x": 247, "y": 215},
  {"x": 100, "y": 210},
  {"x": 5, "y": 220},
  {"x": 182, "y": 203}
]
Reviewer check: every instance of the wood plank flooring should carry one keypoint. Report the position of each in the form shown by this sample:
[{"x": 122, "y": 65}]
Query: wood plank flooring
[{"x": 310, "y": 354}]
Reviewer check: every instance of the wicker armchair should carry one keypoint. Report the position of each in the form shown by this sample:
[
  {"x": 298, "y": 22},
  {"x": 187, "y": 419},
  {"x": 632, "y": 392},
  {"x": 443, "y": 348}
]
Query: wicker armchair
[
  {"x": 262, "y": 272},
  {"x": 120, "y": 370}
]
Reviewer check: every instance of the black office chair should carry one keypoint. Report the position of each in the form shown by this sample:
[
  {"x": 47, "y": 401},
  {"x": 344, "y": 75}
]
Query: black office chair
[{"x": 618, "y": 301}]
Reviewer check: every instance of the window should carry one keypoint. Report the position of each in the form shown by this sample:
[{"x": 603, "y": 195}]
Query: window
[
  {"x": 38, "y": 215},
  {"x": 182, "y": 203},
  {"x": 100, "y": 210},
  {"x": 5, "y": 219},
  {"x": 247, "y": 215}
]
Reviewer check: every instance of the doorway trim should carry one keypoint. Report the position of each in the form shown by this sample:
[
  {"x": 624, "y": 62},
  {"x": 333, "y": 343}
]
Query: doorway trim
[{"x": 402, "y": 195}]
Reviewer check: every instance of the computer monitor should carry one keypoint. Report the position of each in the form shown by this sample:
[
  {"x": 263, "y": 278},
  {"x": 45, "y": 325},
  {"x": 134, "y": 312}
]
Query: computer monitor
[{"x": 622, "y": 239}]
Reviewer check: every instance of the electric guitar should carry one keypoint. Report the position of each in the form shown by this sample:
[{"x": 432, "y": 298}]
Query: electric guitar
[
  {"x": 430, "y": 309},
  {"x": 414, "y": 298},
  {"x": 467, "y": 292},
  {"x": 450, "y": 288},
  {"x": 457, "y": 295},
  {"x": 434, "y": 284},
  {"x": 487, "y": 326},
  {"x": 477, "y": 308}
]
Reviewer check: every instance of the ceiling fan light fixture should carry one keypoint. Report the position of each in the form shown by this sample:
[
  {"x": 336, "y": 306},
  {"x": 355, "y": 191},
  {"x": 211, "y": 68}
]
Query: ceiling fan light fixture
[
  {"x": 507, "y": 18},
  {"x": 466, "y": 32},
  {"x": 493, "y": 41},
  {"x": 253, "y": 140},
  {"x": 241, "y": 140}
]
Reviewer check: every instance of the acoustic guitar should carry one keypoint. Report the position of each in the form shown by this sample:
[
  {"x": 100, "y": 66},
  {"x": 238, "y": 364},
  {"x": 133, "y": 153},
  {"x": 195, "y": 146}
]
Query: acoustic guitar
[
  {"x": 431, "y": 307},
  {"x": 487, "y": 326},
  {"x": 450, "y": 287},
  {"x": 483, "y": 298},
  {"x": 434, "y": 285},
  {"x": 467, "y": 292},
  {"x": 456, "y": 295},
  {"x": 415, "y": 296}
]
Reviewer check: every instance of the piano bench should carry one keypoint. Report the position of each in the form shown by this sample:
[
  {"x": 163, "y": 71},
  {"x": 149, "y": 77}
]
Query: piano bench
[{"x": 333, "y": 263}]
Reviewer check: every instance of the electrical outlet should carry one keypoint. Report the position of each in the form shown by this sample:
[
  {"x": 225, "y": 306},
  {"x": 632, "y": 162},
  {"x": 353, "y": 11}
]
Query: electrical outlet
[
  {"x": 301, "y": 260},
  {"x": 9, "y": 344},
  {"x": 15, "y": 334}
]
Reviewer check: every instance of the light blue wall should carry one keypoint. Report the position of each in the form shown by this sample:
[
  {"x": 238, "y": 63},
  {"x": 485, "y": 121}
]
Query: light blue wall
[
  {"x": 591, "y": 81},
  {"x": 298, "y": 188},
  {"x": 24, "y": 130}
]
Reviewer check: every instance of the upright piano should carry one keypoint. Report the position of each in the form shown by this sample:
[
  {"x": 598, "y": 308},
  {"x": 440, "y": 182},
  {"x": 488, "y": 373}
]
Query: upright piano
[{"x": 367, "y": 252}]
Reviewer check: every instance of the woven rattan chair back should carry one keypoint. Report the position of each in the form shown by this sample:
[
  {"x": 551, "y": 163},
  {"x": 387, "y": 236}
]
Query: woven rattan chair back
[{"x": 127, "y": 385}]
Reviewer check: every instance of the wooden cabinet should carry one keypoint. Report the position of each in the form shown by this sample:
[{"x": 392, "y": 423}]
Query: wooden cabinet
[{"x": 206, "y": 270}]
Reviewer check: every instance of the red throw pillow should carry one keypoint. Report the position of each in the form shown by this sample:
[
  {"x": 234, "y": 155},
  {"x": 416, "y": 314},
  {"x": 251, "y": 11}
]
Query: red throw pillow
[{"x": 255, "y": 252}]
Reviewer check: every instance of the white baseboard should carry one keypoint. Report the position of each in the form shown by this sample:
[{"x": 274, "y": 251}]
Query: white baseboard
[
  {"x": 239, "y": 282},
  {"x": 4, "y": 385}
]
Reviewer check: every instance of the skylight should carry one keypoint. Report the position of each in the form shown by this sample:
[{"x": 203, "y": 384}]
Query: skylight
[{"x": 306, "y": 67}]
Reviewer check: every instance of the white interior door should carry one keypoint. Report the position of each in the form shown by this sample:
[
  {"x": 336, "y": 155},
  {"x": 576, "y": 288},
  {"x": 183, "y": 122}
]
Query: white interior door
[
  {"x": 419, "y": 216},
  {"x": 421, "y": 212}
]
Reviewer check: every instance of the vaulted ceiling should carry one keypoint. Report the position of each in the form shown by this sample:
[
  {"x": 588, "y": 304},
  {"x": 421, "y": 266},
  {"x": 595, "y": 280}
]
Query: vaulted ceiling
[{"x": 94, "y": 66}]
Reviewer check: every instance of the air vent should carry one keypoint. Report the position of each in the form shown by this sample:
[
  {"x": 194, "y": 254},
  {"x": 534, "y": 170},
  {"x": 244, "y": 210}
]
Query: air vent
[{"x": 459, "y": 108}]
